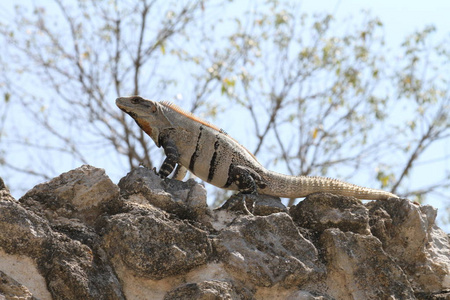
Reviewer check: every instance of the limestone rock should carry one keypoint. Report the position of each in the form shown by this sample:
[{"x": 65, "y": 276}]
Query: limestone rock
[
  {"x": 265, "y": 205},
  {"x": 409, "y": 234},
  {"x": 305, "y": 295},
  {"x": 80, "y": 236},
  {"x": 72, "y": 269},
  {"x": 11, "y": 289},
  {"x": 153, "y": 245},
  {"x": 79, "y": 194},
  {"x": 23, "y": 237},
  {"x": 323, "y": 210},
  {"x": 354, "y": 254},
  {"x": 185, "y": 199},
  {"x": 260, "y": 205},
  {"x": 206, "y": 290},
  {"x": 268, "y": 250},
  {"x": 4, "y": 192}
]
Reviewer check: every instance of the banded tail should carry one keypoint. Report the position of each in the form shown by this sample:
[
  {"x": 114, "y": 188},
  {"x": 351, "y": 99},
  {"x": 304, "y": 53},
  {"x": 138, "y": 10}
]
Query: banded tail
[{"x": 300, "y": 186}]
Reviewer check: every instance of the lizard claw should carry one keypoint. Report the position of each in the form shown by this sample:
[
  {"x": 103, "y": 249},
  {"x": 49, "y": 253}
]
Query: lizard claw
[{"x": 158, "y": 173}]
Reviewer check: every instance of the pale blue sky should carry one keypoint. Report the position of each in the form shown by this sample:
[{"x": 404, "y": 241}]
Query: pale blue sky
[{"x": 401, "y": 18}]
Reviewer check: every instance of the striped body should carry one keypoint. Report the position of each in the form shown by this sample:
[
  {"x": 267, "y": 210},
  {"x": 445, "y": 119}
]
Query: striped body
[
  {"x": 212, "y": 155},
  {"x": 207, "y": 153}
]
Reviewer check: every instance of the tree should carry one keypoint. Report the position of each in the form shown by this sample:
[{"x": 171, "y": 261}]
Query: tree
[
  {"x": 83, "y": 55},
  {"x": 324, "y": 96},
  {"x": 424, "y": 89},
  {"x": 333, "y": 91}
]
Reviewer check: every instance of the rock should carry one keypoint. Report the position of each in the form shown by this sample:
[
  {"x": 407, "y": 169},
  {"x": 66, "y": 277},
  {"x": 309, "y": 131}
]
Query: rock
[
  {"x": 21, "y": 231},
  {"x": 154, "y": 246},
  {"x": 5, "y": 195},
  {"x": 21, "y": 270},
  {"x": 268, "y": 250},
  {"x": 266, "y": 205},
  {"x": 434, "y": 296},
  {"x": 72, "y": 269},
  {"x": 358, "y": 268},
  {"x": 206, "y": 290},
  {"x": 185, "y": 199},
  {"x": 409, "y": 234},
  {"x": 79, "y": 194},
  {"x": 239, "y": 204},
  {"x": 305, "y": 295},
  {"x": 3, "y": 185},
  {"x": 11, "y": 289},
  {"x": 321, "y": 211},
  {"x": 261, "y": 205},
  {"x": 79, "y": 236}
]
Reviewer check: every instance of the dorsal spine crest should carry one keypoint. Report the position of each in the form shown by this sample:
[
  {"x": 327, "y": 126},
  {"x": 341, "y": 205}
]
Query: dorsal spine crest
[{"x": 189, "y": 115}]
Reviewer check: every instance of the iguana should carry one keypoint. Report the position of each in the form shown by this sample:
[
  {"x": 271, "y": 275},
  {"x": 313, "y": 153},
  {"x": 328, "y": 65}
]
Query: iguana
[{"x": 212, "y": 155}]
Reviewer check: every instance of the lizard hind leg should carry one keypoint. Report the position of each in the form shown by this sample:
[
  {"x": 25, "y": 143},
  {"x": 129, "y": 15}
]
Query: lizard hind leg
[{"x": 245, "y": 178}]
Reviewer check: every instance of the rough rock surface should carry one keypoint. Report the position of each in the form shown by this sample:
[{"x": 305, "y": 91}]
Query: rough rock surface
[
  {"x": 80, "y": 236},
  {"x": 322, "y": 211},
  {"x": 268, "y": 250},
  {"x": 207, "y": 290},
  {"x": 153, "y": 245}
]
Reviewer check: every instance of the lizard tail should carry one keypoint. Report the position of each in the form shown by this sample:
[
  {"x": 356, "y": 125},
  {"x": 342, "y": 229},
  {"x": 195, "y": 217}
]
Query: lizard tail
[{"x": 300, "y": 186}]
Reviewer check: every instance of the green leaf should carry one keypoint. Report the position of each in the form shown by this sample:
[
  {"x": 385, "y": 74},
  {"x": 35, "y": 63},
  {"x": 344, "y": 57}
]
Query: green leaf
[
  {"x": 315, "y": 132},
  {"x": 229, "y": 82},
  {"x": 384, "y": 178},
  {"x": 7, "y": 96},
  {"x": 280, "y": 18}
]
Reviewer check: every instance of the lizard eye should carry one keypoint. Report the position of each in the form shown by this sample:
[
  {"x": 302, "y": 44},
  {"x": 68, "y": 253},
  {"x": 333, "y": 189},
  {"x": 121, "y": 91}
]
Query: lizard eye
[
  {"x": 135, "y": 100},
  {"x": 154, "y": 108}
]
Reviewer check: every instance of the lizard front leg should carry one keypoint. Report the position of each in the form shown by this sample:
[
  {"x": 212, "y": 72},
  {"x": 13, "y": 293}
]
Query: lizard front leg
[
  {"x": 180, "y": 172},
  {"x": 172, "y": 156},
  {"x": 246, "y": 179}
]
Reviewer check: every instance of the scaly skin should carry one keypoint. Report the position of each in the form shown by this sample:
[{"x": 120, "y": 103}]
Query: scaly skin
[{"x": 212, "y": 155}]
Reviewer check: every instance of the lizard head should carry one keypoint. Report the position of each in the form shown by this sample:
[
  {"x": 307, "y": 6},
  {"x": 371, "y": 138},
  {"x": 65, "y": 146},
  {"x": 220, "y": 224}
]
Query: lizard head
[{"x": 147, "y": 114}]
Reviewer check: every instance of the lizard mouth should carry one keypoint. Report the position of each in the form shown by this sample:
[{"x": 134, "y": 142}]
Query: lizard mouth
[
  {"x": 120, "y": 104},
  {"x": 127, "y": 109}
]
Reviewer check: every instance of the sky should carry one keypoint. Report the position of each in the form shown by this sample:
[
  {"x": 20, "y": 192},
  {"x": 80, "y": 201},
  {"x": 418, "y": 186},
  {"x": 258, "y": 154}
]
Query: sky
[{"x": 400, "y": 18}]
